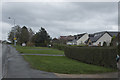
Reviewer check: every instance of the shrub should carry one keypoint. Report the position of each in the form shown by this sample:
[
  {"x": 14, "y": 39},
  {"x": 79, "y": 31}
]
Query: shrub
[
  {"x": 118, "y": 49},
  {"x": 82, "y": 45},
  {"x": 40, "y": 44},
  {"x": 111, "y": 44},
  {"x": 59, "y": 46},
  {"x": 30, "y": 44},
  {"x": 102, "y": 56}
]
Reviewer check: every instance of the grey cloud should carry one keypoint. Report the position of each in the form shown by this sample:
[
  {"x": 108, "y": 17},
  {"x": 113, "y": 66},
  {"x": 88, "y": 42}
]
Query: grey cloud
[{"x": 63, "y": 18}]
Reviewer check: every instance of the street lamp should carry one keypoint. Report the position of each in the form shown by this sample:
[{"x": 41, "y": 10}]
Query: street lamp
[{"x": 14, "y": 31}]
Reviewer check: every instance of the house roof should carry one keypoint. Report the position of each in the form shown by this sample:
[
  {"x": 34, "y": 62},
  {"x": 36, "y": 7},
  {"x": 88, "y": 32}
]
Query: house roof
[
  {"x": 69, "y": 38},
  {"x": 54, "y": 39},
  {"x": 94, "y": 37},
  {"x": 97, "y": 36},
  {"x": 113, "y": 33},
  {"x": 62, "y": 37},
  {"x": 79, "y": 35},
  {"x": 91, "y": 35}
]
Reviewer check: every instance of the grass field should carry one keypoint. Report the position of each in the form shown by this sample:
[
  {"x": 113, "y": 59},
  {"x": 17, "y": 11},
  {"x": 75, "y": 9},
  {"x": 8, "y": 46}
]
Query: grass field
[
  {"x": 62, "y": 64},
  {"x": 38, "y": 50}
]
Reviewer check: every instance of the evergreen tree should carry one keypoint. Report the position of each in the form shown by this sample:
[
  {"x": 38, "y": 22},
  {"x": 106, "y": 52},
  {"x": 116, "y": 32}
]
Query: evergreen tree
[
  {"x": 24, "y": 36},
  {"x": 31, "y": 34},
  {"x": 41, "y": 38}
]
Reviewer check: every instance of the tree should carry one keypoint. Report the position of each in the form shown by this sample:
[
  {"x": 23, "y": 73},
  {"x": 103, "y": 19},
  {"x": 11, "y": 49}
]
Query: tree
[
  {"x": 41, "y": 38},
  {"x": 24, "y": 36},
  {"x": 14, "y": 31},
  {"x": 112, "y": 40},
  {"x": 31, "y": 34},
  {"x": 118, "y": 49},
  {"x": 115, "y": 40}
]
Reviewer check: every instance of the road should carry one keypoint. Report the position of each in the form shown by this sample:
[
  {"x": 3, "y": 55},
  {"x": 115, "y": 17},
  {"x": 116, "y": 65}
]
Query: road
[
  {"x": 16, "y": 67},
  {"x": 19, "y": 68}
]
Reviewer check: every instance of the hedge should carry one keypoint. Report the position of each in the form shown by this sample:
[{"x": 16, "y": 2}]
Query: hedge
[
  {"x": 59, "y": 46},
  {"x": 118, "y": 49},
  {"x": 102, "y": 56},
  {"x": 40, "y": 44}
]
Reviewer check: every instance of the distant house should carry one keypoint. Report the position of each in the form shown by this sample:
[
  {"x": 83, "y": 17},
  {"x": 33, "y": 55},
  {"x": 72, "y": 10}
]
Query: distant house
[
  {"x": 79, "y": 39},
  {"x": 66, "y": 39},
  {"x": 97, "y": 39},
  {"x": 73, "y": 42},
  {"x": 55, "y": 40}
]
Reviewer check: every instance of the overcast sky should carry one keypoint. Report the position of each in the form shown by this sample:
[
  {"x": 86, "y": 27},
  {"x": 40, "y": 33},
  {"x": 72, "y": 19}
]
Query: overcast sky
[{"x": 67, "y": 18}]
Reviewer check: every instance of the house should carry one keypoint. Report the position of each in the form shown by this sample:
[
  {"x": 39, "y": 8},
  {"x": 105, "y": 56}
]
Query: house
[
  {"x": 78, "y": 39},
  {"x": 73, "y": 42},
  {"x": 81, "y": 38},
  {"x": 97, "y": 39},
  {"x": 66, "y": 39},
  {"x": 55, "y": 40}
]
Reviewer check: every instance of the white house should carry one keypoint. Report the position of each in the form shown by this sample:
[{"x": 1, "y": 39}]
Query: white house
[
  {"x": 96, "y": 39},
  {"x": 82, "y": 39},
  {"x": 104, "y": 38},
  {"x": 101, "y": 37}
]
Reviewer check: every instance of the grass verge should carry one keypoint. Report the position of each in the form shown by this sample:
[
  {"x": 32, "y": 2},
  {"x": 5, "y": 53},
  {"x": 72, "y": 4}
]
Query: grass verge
[
  {"x": 38, "y": 50},
  {"x": 62, "y": 64}
]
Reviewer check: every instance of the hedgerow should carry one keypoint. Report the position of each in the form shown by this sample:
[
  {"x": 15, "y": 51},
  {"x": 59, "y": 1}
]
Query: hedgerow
[{"x": 102, "y": 56}]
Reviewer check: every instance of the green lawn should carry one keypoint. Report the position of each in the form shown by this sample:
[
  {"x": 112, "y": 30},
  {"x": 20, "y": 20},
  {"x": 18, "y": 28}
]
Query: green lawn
[
  {"x": 62, "y": 64},
  {"x": 38, "y": 50}
]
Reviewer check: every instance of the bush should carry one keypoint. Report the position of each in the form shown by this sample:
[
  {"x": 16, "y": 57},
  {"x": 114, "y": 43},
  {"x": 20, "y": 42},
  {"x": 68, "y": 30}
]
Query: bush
[
  {"x": 111, "y": 44},
  {"x": 59, "y": 46},
  {"x": 82, "y": 45},
  {"x": 41, "y": 44},
  {"x": 30, "y": 44},
  {"x": 118, "y": 49},
  {"x": 102, "y": 56}
]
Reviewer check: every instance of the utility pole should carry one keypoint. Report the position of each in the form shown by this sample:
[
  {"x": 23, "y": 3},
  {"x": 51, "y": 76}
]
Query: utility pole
[{"x": 14, "y": 31}]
